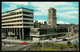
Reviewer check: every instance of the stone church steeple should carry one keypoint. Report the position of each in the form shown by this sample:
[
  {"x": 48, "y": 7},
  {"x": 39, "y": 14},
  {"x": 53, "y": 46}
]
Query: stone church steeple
[{"x": 52, "y": 17}]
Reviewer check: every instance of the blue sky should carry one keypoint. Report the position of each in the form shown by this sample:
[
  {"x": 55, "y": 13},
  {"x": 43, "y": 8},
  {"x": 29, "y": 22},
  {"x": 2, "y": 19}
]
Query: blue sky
[{"x": 66, "y": 12}]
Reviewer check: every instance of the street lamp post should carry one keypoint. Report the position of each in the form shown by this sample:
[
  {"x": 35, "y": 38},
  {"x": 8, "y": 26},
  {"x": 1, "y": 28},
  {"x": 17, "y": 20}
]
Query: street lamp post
[{"x": 42, "y": 44}]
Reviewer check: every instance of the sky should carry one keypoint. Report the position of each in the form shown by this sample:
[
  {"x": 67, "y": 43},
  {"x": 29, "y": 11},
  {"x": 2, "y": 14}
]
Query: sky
[{"x": 66, "y": 12}]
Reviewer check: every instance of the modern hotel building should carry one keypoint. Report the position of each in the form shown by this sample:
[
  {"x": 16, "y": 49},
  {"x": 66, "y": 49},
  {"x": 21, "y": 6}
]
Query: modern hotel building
[{"x": 17, "y": 23}]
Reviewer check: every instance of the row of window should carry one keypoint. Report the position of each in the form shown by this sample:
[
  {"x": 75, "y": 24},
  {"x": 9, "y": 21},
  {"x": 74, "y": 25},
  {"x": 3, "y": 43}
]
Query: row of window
[
  {"x": 18, "y": 21},
  {"x": 27, "y": 13},
  {"x": 28, "y": 24},
  {"x": 18, "y": 17},
  {"x": 13, "y": 21},
  {"x": 27, "y": 20},
  {"x": 13, "y": 25},
  {"x": 17, "y": 13},
  {"x": 28, "y": 17},
  {"x": 19, "y": 25},
  {"x": 12, "y": 14},
  {"x": 12, "y": 18}
]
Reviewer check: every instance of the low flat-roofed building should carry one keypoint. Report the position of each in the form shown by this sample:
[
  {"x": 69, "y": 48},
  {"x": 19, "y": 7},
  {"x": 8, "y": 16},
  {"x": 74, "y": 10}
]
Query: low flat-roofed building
[
  {"x": 67, "y": 27},
  {"x": 47, "y": 33}
]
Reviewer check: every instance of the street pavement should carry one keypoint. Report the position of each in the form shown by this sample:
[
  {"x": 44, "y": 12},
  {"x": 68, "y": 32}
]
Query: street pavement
[
  {"x": 19, "y": 47},
  {"x": 16, "y": 47}
]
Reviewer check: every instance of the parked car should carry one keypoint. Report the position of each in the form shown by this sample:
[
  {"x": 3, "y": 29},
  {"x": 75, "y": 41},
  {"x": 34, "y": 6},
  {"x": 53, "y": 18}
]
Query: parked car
[
  {"x": 23, "y": 42},
  {"x": 64, "y": 39}
]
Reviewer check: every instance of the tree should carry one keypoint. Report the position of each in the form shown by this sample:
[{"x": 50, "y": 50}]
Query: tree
[
  {"x": 75, "y": 45},
  {"x": 68, "y": 43},
  {"x": 45, "y": 22},
  {"x": 38, "y": 43},
  {"x": 56, "y": 36},
  {"x": 36, "y": 21},
  {"x": 61, "y": 47}
]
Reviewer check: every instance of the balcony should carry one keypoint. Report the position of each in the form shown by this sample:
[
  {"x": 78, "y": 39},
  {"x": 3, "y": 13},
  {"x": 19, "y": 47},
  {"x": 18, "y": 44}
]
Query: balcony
[
  {"x": 19, "y": 10},
  {"x": 28, "y": 23},
  {"x": 25, "y": 10},
  {"x": 17, "y": 26},
  {"x": 12, "y": 19},
  {"x": 27, "y": 15},
  {"x": 27, "y": 19},
  {"x": 12, "y": 26},
  {"x": 12, "y": 16},
  {"x": 12, "y": 23}
]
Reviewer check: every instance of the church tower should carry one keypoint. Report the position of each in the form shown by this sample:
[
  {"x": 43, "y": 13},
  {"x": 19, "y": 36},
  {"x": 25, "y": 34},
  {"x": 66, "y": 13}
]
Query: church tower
[{"x": 52, "y": 18}]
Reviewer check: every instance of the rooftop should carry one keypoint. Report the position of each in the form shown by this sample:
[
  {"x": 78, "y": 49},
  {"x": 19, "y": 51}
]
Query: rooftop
[
  {"x": 17, "y": 9},
  {"x": 51, "y": 8}
]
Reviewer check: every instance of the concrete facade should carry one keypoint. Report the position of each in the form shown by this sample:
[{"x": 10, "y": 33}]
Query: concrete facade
[{"x": 16, "y": 22}]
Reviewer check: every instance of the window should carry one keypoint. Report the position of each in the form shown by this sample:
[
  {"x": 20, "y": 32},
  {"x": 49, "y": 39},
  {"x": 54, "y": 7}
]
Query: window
[
  {"x": 27, "y": 13},
  {"x": 27, "y": 17},
  {"x": 27, "y": 20},
  {"x": 20, "y": 16},
  {"x": 34, "y": 33},
  {"x": 20, "y": 12},
  {"x": 17, "y": 24}
]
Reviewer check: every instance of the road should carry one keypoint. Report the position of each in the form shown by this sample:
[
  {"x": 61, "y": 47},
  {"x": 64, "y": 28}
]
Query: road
[
  {"x": 16, "y": 47},
  {"x": 19, "y": 47}
]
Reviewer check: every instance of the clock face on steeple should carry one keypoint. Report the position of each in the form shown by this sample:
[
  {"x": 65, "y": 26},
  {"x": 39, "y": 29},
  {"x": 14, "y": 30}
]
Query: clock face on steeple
[{"x": 49, "y": 22}]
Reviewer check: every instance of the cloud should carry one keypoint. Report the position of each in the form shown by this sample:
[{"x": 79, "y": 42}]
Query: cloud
[
  {"x": 40, "y": 13},
  {"x": 43, "y": 7},
  {"x": 72, "y": 12},
  {"x": 16, "y": 3},
  {"x": 49, "y": 4},
  {"x": 13, "y": 5},
  {"x": 61, "y": 22},
  {"x": 65, "y": 15},
  {"x": 67, "y": 8},
  {"x": 64, "y": 10}
]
